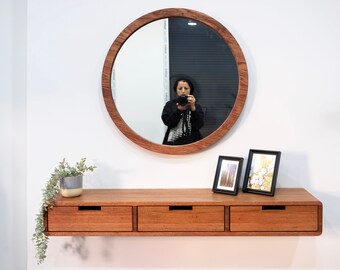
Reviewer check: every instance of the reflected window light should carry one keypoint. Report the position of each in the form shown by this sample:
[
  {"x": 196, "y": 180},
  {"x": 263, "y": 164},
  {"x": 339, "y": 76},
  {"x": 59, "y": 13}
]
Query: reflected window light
[{"x": 191, "y": 23}]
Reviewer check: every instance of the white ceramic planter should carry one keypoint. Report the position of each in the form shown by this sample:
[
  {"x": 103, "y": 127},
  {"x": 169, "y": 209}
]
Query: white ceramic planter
[{"x": 71, "y": 186}]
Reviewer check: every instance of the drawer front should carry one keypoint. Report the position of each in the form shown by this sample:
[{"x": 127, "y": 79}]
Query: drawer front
[
  {"x": 90, "y": 219},
  {"x": 273, "y": 218},
  {"x": 180, "y": 218}
]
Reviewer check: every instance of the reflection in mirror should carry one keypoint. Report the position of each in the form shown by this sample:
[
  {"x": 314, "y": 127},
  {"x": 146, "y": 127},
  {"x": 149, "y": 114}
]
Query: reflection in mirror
[
  {"x": 159, "y": 53},
  {"x": 138, "y": 80},
  {"x": 156, "y": 49}
]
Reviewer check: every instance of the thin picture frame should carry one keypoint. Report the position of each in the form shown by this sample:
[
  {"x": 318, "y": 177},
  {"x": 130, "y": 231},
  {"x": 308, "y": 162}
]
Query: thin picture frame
[
  {"x": 228, "y": 174},
  {"x": 261, "y": 172}
]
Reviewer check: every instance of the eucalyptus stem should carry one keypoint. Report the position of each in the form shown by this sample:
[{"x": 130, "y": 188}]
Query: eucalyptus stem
[{"x": 49, "y": 194}]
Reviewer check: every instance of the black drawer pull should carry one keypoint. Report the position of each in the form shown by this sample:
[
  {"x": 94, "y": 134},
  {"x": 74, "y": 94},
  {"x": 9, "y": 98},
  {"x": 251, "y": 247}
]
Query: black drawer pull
[
  {"x": 273, "y": 207},
  {"x": 89, "y": 208},
  {"x": 180, "y": 207}
]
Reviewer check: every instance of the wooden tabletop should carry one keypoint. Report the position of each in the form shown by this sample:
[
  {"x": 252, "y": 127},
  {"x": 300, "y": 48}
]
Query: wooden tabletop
[{"x": 133, "y": 197}]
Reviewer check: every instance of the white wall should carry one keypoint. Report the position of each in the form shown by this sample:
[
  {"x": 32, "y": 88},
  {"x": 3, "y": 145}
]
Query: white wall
[
  {"x": 292, "y": 51},
  {"x": 13, "y": 134}
]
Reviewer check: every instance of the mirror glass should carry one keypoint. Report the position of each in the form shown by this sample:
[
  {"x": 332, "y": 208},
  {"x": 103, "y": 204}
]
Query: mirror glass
[
  {"x": 159, "y": 53},
  {"x": 151, "y": 54}
]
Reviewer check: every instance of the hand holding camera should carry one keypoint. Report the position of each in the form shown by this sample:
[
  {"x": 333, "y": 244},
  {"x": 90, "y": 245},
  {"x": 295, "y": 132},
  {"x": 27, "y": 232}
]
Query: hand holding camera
[{"x": 185, "y": 101}]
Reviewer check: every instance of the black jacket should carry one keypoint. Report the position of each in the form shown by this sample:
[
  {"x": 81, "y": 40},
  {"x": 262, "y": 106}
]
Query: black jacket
[{"x": 171, "y": 116}]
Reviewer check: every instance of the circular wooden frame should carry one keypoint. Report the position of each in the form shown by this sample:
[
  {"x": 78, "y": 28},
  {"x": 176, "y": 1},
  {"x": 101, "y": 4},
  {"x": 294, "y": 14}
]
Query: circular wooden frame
[{"x": 242, "y": 87}]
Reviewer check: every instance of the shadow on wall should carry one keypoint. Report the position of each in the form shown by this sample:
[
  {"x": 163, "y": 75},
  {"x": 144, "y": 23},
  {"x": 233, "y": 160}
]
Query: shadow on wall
[
  {"x": 105, "y": 177},
  {"x": 294, "y": 171},
  {"x": 331, "y": 214},
  {"x": 77, "y": 246},
  {"x": 190, "y": 252}
]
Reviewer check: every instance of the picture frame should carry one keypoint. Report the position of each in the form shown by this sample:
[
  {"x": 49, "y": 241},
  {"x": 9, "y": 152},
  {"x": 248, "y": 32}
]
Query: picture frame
[
  {"x": 228, "y": 174},
  {"x": 261, "y": 172}
]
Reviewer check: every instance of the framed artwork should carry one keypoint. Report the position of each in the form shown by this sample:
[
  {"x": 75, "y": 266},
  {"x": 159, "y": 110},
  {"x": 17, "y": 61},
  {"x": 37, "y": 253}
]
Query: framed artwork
[
  {"x": 228, "y": 173},
  {"x": 261, "y": 172}
]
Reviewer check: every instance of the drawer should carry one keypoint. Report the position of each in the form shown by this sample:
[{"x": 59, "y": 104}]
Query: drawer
[
  {"x": 273, "y": 218},
  {"x": 180, "y": 218},
  {"x": 90, "y": 219}
]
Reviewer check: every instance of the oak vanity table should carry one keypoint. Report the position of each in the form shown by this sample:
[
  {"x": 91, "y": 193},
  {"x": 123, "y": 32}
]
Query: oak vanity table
[{"x": 187, "y": 212}]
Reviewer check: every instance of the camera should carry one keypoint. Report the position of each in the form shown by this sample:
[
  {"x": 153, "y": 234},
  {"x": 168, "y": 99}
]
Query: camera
[{"x": 182, "y": 100}]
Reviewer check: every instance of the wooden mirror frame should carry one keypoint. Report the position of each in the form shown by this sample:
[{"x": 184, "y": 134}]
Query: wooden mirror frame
[{"x": 242, "y": 86}]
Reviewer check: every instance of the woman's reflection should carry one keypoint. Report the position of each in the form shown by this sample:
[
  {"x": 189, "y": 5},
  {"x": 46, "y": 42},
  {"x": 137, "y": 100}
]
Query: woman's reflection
[{"x": 183, "y": 115}]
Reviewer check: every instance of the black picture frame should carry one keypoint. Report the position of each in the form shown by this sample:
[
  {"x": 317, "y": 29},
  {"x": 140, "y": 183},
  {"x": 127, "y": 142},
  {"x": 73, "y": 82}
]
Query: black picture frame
[
  {"x": 228, "y": 174},
  {"x": 261, "y": 172}
]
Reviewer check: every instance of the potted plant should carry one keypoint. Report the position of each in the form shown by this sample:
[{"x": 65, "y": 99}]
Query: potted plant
[{"x": 60, "y": 180}]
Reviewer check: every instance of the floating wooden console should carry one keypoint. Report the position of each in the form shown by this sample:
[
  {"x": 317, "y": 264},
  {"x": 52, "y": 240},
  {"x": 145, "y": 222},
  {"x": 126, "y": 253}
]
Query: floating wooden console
[{"x": 292, "y": 211}]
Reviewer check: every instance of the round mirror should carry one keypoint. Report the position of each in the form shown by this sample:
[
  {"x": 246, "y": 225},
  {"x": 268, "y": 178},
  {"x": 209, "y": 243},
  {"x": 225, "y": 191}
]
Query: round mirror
[{"x": 153, "y": 52}]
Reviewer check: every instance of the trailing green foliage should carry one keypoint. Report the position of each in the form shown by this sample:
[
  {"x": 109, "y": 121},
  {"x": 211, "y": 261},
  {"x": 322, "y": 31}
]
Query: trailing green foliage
[{"x": 49, "y": 194}]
